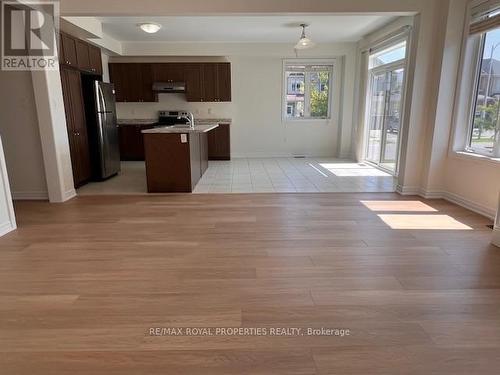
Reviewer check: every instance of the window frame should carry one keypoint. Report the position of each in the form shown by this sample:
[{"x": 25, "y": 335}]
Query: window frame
[
  {"x": 473, "y": 103},
  {"x": 468, "y": 82},
  {"x": 332, "y": 90}
]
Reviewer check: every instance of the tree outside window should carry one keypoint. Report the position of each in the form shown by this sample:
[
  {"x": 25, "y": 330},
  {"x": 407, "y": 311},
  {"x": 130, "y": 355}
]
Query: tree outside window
[{"x": 308, "y": 91}]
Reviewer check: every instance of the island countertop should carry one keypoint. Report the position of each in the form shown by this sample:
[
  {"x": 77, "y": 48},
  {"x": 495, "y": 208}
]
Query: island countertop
[{"x": 171, "y": 129}]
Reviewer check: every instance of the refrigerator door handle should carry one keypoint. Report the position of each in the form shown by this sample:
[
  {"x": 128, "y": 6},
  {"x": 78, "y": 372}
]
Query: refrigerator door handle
[
  {"x": 100, "y": 99},
  {"x": 101, "y": 121}
]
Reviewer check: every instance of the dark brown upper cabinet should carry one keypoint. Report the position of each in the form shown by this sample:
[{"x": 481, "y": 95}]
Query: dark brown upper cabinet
[
  {"x": 205, "y": 82},
  {"x": 193, "y": 77},
  {"x": 168, "y": 72},
  {"x": 133, "y": 82},
  {"x": 67, "y": 51},
  {"x": 95, "y": 59},
  {"x": 209, "y": 82},
  {"x": 146, "y": 84},
  {"x": 79, "y": 54},
  {"x": 223, "y": 82},
  {"x": 83, "y": 56}
]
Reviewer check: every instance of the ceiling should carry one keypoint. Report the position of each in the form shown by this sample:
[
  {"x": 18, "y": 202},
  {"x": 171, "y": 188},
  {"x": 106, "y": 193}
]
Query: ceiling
[{"x": 260, "y": 29}]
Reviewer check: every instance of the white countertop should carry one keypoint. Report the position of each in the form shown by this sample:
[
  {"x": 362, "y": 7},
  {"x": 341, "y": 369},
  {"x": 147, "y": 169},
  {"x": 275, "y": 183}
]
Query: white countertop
[{"x": 170, "y": 129}]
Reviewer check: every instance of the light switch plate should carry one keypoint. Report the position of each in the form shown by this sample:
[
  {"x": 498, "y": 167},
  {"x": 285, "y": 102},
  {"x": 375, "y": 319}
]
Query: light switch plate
[{"x": 184, "y": 138}]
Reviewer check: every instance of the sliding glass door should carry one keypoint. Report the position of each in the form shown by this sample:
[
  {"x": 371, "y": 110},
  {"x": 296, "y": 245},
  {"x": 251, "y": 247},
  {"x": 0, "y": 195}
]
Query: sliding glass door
[{"x": 384, "y": 120}]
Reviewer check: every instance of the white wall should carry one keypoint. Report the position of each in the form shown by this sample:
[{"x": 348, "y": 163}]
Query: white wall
[
  {"x": 105, "y": 67},
  {"x": 432, "y": 168},
  {"x": 256, "y": 108},
  {"x": 467, "y": 180},
  {"x": 21, "y": 137},
  {"x": 7, "y": 218}
]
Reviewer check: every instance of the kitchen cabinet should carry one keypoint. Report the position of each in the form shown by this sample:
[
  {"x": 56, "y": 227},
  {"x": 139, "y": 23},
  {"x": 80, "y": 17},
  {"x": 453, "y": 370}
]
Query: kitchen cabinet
[
  {"x": 67, "y": 51},
  {"x": 133, "y": 82},
  {"x": 83, "y": 56},
  {"x": 209, "y": 82},
  {"x": 95, "y": 59},
  {"x": 175, "y": 162},
  {"x": 193, "y": 77},
  {"x": 76, "y": 125},
  {"x": 205, "y": 82},
  {"x": 79, "y": 54},
  {"x": 131, "y": 141},
  {"x": 223, "y": 82},
  {"x": 219, "y": 143},
  {"x": 168, "y": 72}
]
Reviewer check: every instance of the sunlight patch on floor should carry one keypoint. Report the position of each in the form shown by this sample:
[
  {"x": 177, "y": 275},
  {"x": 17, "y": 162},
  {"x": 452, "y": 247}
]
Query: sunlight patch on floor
[
  {"x": 406, "y": 206},
  {"x": 353, "y": 170},
  {"x": 428, "y": 222}
]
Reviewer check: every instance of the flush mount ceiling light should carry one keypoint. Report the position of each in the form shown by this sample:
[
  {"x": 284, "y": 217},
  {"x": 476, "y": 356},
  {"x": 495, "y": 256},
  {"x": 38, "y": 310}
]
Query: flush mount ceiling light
[
  {"x": 150, "y": 27},
  {"x": 304, "y": 41}
]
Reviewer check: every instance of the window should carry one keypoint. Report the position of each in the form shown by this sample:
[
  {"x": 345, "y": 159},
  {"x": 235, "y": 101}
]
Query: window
[
  {"x": 388, "y": 55},
  {"x": 484, "y": 127},
  {"x": 307, "y": 91}
]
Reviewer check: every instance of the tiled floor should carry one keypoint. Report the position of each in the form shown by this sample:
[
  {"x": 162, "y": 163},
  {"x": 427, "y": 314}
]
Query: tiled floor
[
  {"x": 131, "y": 180},
  {"x": 280, "y": 175},
  {"x": 293, "y": 175}
]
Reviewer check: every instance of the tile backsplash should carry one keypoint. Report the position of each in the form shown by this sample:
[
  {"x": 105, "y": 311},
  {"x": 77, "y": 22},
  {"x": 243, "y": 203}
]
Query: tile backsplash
[{"x": 173, "y": 102}]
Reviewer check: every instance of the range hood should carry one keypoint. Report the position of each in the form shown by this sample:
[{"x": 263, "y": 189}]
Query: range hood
[{"x": 173, "y": 87}]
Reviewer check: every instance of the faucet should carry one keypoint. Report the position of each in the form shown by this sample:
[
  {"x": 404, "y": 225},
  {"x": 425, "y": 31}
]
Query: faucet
[{"x": 188, "y": 116}]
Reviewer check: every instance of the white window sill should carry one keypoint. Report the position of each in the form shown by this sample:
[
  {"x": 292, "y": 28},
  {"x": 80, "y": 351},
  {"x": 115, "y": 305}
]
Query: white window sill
[{"x": 465, "y": 155}]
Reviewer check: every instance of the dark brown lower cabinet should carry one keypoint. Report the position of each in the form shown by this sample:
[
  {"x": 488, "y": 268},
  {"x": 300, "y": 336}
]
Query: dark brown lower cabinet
[
  {"x": 219, "y": 143},
  {"x": 76, "y": 125},
  {"x": 175, "y": 162},
  {"x": 132, "y": 142}
]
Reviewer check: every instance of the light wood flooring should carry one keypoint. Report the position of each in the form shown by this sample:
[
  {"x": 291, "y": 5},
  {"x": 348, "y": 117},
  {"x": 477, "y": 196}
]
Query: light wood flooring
[{"x": 416, "y": 283}]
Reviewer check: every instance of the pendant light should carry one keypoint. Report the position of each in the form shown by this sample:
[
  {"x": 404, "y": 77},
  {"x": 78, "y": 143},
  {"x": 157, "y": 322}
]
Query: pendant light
[{"x": 304, "y": 41}]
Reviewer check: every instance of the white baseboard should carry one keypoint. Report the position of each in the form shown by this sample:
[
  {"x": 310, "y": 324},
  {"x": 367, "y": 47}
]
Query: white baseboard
[
  {"x": 450, "y": 197},
  {"x": 470, "y": 205},
  {"x": 41, "y": 195},
  {"x": 240, "y": 155},
  {"x": 408, "y": 190},
  {"x": 251, "y": 155},
  {"x": 69, "y": 194},
  {"x": 30, "y": 195},
  {"x": 6, "y": 228}
]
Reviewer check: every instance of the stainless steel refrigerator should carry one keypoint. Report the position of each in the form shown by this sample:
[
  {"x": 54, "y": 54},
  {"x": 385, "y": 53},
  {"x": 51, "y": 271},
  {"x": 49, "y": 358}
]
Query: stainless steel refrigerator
[{"x": 103, "y": 130}]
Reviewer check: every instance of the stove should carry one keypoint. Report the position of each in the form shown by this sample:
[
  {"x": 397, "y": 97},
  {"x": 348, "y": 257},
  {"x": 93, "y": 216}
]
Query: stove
[{"x": 168, "y": 118}]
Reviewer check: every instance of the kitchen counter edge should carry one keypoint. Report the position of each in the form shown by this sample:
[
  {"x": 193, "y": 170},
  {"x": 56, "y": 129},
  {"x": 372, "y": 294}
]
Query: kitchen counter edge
[{"x": 171, "y": 130}]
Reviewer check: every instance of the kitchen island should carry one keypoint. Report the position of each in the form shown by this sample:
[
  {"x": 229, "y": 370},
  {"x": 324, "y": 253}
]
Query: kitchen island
[{"x": 176, "y": 157}]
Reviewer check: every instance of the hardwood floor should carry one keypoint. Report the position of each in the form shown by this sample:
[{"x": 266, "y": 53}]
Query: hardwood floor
[{"x": 82, "y": 283}]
